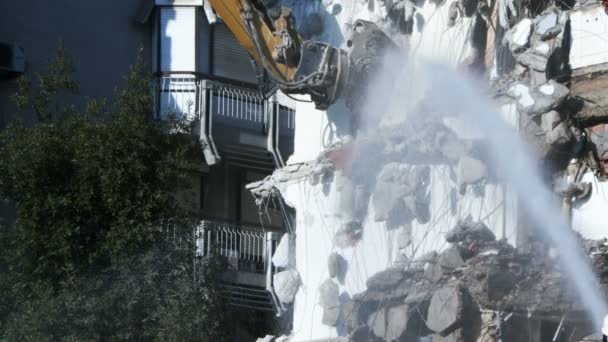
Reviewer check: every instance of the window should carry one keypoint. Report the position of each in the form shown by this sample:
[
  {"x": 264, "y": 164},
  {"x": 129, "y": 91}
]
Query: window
[
  {"x": 229, "y": 57},
  {"x": 177, "y": 39}
]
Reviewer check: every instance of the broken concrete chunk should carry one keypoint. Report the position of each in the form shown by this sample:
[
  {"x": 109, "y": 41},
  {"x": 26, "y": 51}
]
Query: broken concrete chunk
[
  {"x": 518, "y": 36},
  {"x": 468, "y": 230},
  {"x": 329, "y": 294},
  {"x": 523, "y": 94},
  {"x": 549, "y": 121},
  {"x": 421, "y": 261},
  {"x": 360, "y": 334},
  {"x": 330, "y": 316},
  {"x": 499, "y": 283},
  {"x": 471, "y": 170},
  {"x": 377, "y": 322},
  {"x": 397, "y": 320},
  {"x": 578, "y": 191},
  {"x": 539, "y": 100},
  {"x": 350, "y": 235},
  {"x": 394, "y": 182},
  {"x": 386, "y": 279},
  {"x": 404, "y": 237},
  {"x": 433, "y": 272},
  {"x": 417, "y": 296},
  {"x": 560, "y": 135},
  {"x": 350, "y": 313},
  {"x": 445, "y": 310},
  {"x": 389, "y": 323},
  {"x": 547, "y": 25},
  {"x": 453, "y": 13},
  {"x": 533, "y": 60},
  {"x": 554, "y": 89},
  {"x": 280, "y": 258},
  {"x": 336, "y": 265},
  {"x": 286, "y": 285},
  {"x": 401, "y": 260},
  {"x": 450, "y": 258}
]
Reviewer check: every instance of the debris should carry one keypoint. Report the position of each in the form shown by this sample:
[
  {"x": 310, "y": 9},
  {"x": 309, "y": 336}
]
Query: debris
[
  {"x": 349, "y": 235},
  {"x": 546, "y": 25},
  {"x": 331, "y": 316},
  {"x": 540, "y": 100},
  {"x": 453, "y": 13},
  {"x": 450, "y": 258},
  {"x": 433, "y": 271},
  {"x": 386, "y": 279},
  {"x": 389, "y": 323},
  {"x": 404, "y": 237},
  {"x": 518, "y": 37},
  {"x": 286, "y": 285},
  {"x": 336, "y": 265},
  {"x": 534, "y": 59},
  {"x": 394, "y": 182},
  {"x": 468, "y": 230},
  {"x": 329, "y": 294},
  {"x": 575, "y": 190},
  {"x": 281, "y": 254},
  {"x": 445, "y": 310},
  {"x": 471, "y": 170}
]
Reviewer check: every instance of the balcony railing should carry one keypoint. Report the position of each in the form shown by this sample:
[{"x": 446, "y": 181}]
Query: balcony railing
[
  {"x": 176, "y": 96},
  {"x": 237, "y": 103},
  {"x": 247, "y": 249},
  {"x": 214, "y": 102}
]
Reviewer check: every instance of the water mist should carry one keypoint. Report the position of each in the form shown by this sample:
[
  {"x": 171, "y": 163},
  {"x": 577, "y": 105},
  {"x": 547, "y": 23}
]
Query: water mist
[{"x": 397, "y": 95}]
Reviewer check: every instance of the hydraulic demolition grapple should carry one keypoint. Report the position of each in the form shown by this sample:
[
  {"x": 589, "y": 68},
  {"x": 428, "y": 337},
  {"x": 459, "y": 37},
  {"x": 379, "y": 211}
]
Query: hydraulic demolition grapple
[{"x": 268, "y": 31}]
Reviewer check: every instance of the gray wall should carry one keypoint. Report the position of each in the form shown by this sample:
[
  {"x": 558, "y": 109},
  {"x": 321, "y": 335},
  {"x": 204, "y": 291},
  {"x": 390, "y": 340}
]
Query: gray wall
[{"x": 101, "y": 36}]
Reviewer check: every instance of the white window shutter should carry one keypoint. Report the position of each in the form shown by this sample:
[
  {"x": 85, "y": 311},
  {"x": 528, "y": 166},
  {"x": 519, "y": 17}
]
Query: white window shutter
[
  {"x": 230, "y": 58},
  {"x": 178, "y": 39}
]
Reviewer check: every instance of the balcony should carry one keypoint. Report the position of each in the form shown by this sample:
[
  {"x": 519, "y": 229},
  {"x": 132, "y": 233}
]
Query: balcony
[
  {"x": 234, "y": 121},
  {"x": 248, "y": 251}
]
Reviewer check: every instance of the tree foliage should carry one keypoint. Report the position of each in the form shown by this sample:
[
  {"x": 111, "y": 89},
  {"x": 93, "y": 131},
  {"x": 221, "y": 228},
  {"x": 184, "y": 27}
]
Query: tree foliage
[{"x": 89, "y": 257}]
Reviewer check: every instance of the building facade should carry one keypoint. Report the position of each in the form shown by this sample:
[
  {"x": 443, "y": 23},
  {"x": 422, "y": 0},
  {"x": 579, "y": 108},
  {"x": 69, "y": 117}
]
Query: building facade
[{"x": 200, "y": 73}]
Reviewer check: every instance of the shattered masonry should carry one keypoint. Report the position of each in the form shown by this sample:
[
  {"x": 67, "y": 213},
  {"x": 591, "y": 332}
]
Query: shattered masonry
[{"x": 478, "y": 288}]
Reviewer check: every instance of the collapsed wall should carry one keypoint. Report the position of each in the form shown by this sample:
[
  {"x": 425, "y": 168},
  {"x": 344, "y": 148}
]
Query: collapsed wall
[{"x": 435, "y": 229}]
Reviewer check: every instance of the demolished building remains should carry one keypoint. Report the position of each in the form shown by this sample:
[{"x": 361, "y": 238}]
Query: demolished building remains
[{"x": 435, "y": 247}]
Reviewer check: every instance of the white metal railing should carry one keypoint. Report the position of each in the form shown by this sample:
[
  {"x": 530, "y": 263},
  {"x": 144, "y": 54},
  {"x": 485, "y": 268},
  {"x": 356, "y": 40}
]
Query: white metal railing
[
  {"x": 246, "y": 248},
  {"x": 237, "y": 103},
  {"x": 176, "y": 96},
  {"x": 184, "y": 95},
  {"x": 210, "y": 102}
]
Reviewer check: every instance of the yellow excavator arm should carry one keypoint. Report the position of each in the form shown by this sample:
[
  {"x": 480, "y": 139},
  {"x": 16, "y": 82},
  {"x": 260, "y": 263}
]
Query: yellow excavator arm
[
  {"x": 268, "y": 31},
  {"x": 234, "y": 14}
]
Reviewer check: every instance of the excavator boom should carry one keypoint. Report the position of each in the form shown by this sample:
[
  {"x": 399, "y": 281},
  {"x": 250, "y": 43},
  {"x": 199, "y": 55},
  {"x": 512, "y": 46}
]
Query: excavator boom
[
  {"x": 248, "y": 25},
  {"x": 268, "y": 31}
]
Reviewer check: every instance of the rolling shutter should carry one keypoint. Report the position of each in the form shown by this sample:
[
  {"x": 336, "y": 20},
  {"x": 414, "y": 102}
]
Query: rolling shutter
[
  {"x": 178, "y": 39},
  {"x": 230, "y": 59}
]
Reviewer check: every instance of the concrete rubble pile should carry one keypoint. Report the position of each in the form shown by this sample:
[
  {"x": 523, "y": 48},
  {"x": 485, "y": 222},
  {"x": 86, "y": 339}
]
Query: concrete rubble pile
[
  {"x": 458, "y": 294},
  {"x": 557, "y": 105}
]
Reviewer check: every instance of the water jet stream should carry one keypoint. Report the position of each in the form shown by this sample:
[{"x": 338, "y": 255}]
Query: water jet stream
[{"x": 451, "y": 94}]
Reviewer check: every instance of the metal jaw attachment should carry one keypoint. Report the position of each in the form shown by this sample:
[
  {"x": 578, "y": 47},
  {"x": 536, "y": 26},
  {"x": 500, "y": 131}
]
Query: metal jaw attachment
[{"x": 322, "y": 73}]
